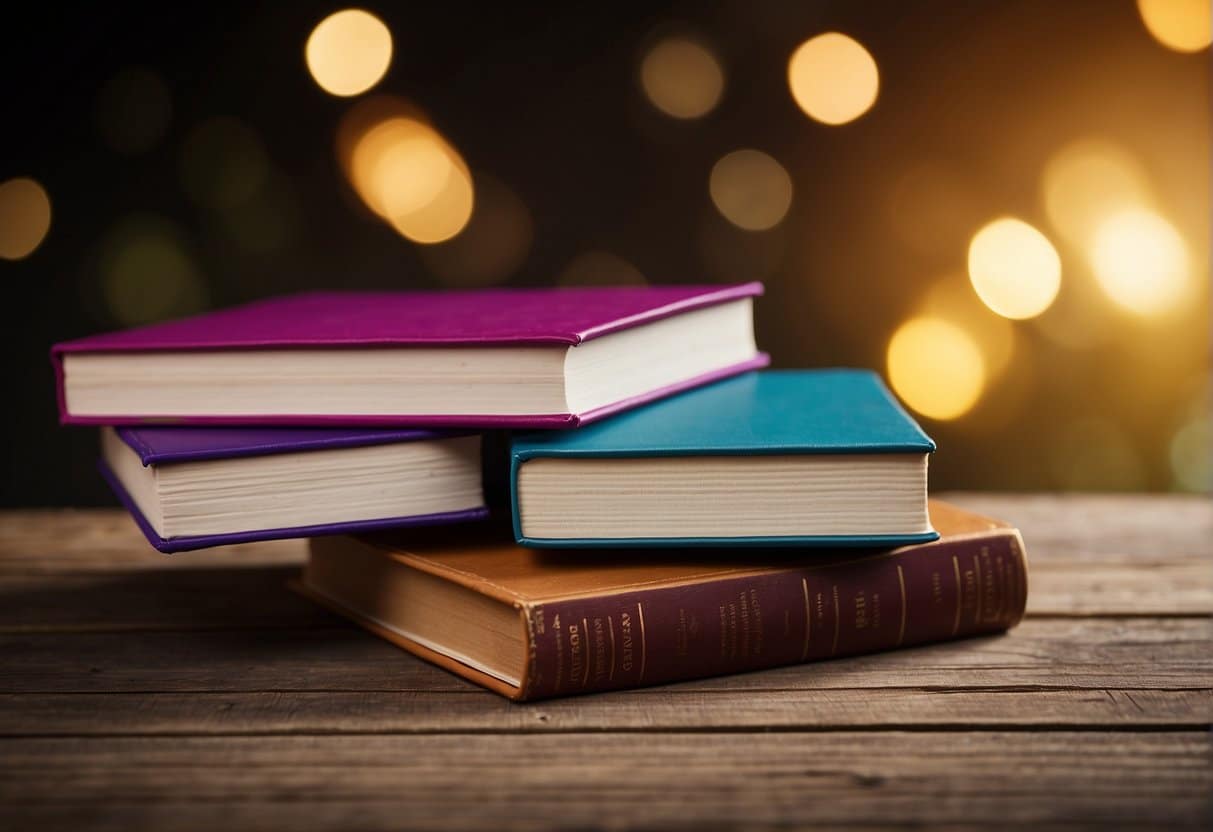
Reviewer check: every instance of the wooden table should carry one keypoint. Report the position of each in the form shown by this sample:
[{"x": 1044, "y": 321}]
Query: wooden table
[{"x": 197, "y": 692}]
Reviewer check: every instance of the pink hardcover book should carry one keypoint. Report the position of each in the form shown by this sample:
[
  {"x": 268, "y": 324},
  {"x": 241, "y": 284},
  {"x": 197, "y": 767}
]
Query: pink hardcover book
[{"x": 494, "y": 358}]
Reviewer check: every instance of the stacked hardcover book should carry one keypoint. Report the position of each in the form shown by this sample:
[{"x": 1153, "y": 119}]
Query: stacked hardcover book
[{"x": 668, "y": 509}]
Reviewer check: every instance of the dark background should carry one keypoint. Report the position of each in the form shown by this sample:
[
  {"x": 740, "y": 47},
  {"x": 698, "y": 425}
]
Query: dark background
[{"x": 544, "y": 103}]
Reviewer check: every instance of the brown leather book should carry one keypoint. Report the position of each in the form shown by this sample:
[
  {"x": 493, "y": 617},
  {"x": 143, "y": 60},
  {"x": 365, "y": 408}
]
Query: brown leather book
[{"x": 531, "y": 624}]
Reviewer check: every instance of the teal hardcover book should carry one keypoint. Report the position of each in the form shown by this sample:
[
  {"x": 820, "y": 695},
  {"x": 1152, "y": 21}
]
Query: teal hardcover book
[{"x": 775, "y": 458}]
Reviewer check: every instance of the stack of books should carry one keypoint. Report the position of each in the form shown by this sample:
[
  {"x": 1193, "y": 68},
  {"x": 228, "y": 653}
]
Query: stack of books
[{"x": 669, "y": 510}]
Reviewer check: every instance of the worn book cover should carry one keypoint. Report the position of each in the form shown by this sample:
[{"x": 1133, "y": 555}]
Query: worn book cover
[{"x": 531, "y": 623}]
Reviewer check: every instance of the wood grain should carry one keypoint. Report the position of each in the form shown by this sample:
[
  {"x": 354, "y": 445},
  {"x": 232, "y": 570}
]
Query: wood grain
[
  {"x": 196, "y": 692},
  {"x": 1128, "y": 528},
  {"x": 672, "y": 708},
  {"x": 688, "y": 780},
  {"x": 1164, "y": 653}
]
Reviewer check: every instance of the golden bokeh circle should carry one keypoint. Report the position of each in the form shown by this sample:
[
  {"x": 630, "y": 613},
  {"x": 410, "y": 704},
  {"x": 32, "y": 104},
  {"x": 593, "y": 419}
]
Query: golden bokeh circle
[
  {"x": 833, "y": 78},
  {"x": 25, "y": 217},
  {"x": 682, "y": 78},
  {"x": 750, "y": 189},
  {"x": 349, "y": 52}
]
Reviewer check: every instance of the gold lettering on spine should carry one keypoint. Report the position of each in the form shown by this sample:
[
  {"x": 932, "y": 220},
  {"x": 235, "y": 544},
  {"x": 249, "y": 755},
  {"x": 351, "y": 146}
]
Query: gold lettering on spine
[
  {"x": 977, "y": 569},
  {"x": 837, "y": 622},
  {"x": 585, "y": 629},
  {"x": 625, "y": 632},
  {"x": 643, "y": 646},
  {"x": 576, "y": 652},
  {"x": 901, "y": 579},
  {"x": 808, "y": 619},
  {"x": 559, "y": 651},
  {"x": 611, "y": 630},
  {"x": 959, "y": 595}
]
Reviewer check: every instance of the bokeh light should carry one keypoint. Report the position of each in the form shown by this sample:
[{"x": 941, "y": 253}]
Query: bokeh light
[
  {"x": 223, "y": 163},
  {"x": 492, "y": 247},
  {"x": 1140, "y": 262},
  {"x": 407, "y": 173},
  {"x": 25, "y": 217},
  {"x": 148, "y": 273},
  {"x": 600, "y": 268},
  {"x": 751, "y": 190},
  {"x": 133, "y": 110},
  {"x": 1086, "y": 182},
  {"x": 1182, "y": 25},
  {"x": 952, "y": 299},
  {"x": 1078, "y": 319},
  {"x": 682, "y": 78},
  {"x": 349, "y": 52},
  {"x": 404, "y": 170},
  {"x": 833, "y": 78},
  {"x": 1014, "y": 268},
  {"x": 443, "y": 218},
  {"x": 401, "y": 166},
  {"x": 363, "y": 116},
  {"x": 936, "y": 367},
  {"x": 1191, "y": 453}
]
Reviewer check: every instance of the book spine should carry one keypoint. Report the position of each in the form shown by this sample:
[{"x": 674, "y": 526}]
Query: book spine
[{"x": 916, "y": 595}]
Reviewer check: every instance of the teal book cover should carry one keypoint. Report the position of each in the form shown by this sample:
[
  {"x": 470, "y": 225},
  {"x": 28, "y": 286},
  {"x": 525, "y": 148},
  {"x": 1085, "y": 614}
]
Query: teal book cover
[{"x": 730, "y": 452}]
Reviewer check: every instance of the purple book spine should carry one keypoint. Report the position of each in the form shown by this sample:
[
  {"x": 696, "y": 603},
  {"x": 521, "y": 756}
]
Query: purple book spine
[{"x": 916, "y": 595}]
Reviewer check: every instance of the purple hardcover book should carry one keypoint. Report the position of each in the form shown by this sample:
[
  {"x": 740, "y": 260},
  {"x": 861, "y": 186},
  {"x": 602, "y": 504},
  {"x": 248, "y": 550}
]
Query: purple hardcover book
[
  {"x": 190, "y": 488},
  {"x": 496, "y": 358}
]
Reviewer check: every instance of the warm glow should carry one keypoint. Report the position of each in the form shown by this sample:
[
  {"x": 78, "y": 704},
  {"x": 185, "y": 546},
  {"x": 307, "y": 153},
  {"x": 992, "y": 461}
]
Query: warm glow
[
  {"x": 600, "y": 268},
  {"x": 1014, "y": 268},
  {"x": 1088, "y": 181},
  {"x": 833, "y": 78},
  {"x": 348, "y": 52},
  {"x": 1182, "y": 25},
  {"x": 936, "y": 368},
  {"x": 25, "y": 217},
  {"x": 1141, "y": 262},
  {"x": 932, "y": 206},
  {"x": 952, "y": 299},
  {"x": 492, "y": 247},
  {"x": 682, "y": 78},
  {"x": 401, "y": 166},
  {"x": 1190, "y": 452},
  {"x": 751, "y": 190},
  {"x": 409, "y": 174}
]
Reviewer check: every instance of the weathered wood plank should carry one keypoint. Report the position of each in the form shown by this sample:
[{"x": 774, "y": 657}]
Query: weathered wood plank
[
  {"x": 756, "y": 780},
  {"x": 308, "y": 722},
  {"x": 1163, "y": 653},
  {"x": 161, "y": 599},
  {"x": 58, "y": 541},
  {"x": 655, "y": 709},
  {"x": 1103, "y": 527},
  {"x": 1146, "y": 588}
]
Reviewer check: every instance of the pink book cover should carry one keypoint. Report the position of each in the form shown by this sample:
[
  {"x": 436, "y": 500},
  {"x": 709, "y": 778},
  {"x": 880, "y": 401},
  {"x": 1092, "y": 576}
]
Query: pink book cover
[{"x": 370, "y": 320}]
